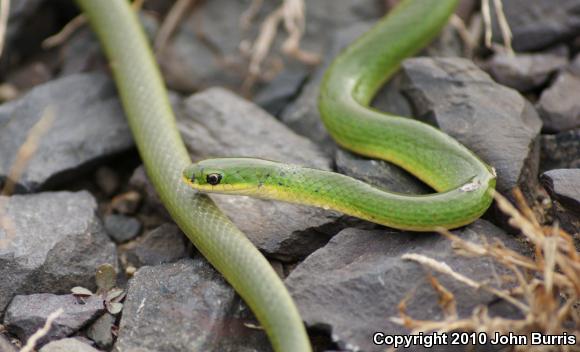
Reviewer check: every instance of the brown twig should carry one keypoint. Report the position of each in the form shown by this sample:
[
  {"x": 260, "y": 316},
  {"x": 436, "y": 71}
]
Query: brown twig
[{"x": 170, "y": 23}]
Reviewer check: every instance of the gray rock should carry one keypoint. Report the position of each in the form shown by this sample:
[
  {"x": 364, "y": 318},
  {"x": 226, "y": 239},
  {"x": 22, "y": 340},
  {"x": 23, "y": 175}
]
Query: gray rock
[
  {"x": 528, "y": 71},
  {"x": 26, "y": 314},
  {"x": 379, "y": 173},
  {"x": 540, "y": 23},
  {"x": 67, "y": 345},
  {"x": 6, "y": 345},
  {"x": 558, "y": 108},
  {"x": 193, "y": 61},
  {"x": 217, "y": 123},
  {"x": 280, "y": 91},
  {"x": 564, "y": 186},
  {"x": 50, "y": 242},
  {"x": 191, "y": 308},
  {"x": 122, "y": 228},
  {"x": 494, "y": 121},
  {"x": 89, "y": 124},
  {"x": 303, "y": 115},
  {"x": 101, "y": 331},
  {"x": 164, "y": 244},
  {"x": 560, "y": 151},
  {"x": 353, "y": 285}
]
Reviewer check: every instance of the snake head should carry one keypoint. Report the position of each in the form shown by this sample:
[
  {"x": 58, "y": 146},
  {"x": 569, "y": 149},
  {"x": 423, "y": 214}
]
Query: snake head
[{"x": 226, "y": 175}]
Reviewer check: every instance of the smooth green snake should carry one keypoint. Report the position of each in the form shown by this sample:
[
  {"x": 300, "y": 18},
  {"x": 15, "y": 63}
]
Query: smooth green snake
[{"x": 461, "y": 178}]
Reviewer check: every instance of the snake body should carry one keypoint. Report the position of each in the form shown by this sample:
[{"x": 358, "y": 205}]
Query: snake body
[
  {"x": 462, "y": 180},
  {"x": 460, "y": 177}
]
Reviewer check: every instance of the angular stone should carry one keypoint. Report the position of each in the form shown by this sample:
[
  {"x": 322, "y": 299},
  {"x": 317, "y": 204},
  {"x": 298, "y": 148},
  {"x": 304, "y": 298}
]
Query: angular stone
[
  {"x": 122, "y": 228},
  {"x": 192, "y": 307},
  {"x": 558, "y": 108},
  {"x": 352, "y": 286},
  {"x": 494, "y": 121},
  {"x": 67, "y": 345},
  {"x": 217, "y": 123},
  {"x": 526, "y": 71},
  {"x": 26, "y": 314},
  {"x": 88, "y": 124},
  {"x": 101, "y": 330},
  {"x": 379, "y": 173},
  {"x": 164, "y": 244},
  {"x": 564, "y": 186},
  {"x": 50, "y": 242},
  {"x": 540, "y": 23},
  {"x": 560, "y": 151}
]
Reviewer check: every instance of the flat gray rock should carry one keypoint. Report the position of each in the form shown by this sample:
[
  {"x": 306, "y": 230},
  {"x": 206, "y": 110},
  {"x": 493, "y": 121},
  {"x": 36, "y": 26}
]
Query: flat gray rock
[
  {"x": 27, "y": 314},
  {"x": 164, "y": 244},
  {"x": 217, "y": 123},
  {"x": 559, "y": 108},
  {"x": 494, "y": 121},
  {"x": 50, "y": 242},
  {"x": 67, "y": 345},
  {"x": 540, "y": 23},
  {"x": 184, "y": 306},
  {"x": 89, "y": 124},
  {"x": 352, "y": 286},
  {"x": 560, "y": 151},
  {"x": 101, "y": 331},
  {"x": 564, "y": 186},
  {"x": 526, "y": 71}
]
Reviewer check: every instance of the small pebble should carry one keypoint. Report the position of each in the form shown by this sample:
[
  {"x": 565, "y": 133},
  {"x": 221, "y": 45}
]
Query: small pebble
[{"x": 122, "y": 228}]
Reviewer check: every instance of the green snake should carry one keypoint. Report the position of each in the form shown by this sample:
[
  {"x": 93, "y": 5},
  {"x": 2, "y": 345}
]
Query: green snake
[{"x": 461, "y": 179}]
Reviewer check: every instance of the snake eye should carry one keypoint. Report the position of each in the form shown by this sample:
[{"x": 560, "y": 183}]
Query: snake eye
[{"x": 213, "y": 179}]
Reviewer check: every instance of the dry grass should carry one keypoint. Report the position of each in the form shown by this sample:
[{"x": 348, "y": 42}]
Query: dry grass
[
  {"x": 546, "y": 292},
  {"x": 291, "y": 14}
]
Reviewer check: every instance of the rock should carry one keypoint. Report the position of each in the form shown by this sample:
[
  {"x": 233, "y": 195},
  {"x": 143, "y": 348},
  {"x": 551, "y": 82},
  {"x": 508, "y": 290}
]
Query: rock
[
  {"x": 560, "y": 151},
  {"x": 538, "y": 24},
  {"x": 353, "y": 285},
  {"x": 559, "y": 109},
  {"x": 122, "y": 228},
  {"x": 26, "y": 314},
  {"x": 6, "y": 345},
  {"x": 302, "y": 115},
  {"x": 20, "y": 12},
  {"x": 191, "y": 308},
  {"x": 89, "y": 124},
  {"x": 281, "y": 91},
  {"x": 217, "y": 123},
  {"x": 205, "y": 50},
  {"x": 564, "y": 186},
  {"x": 101, "y": 331},
  {"x": 67, "y": 345},
  {"x": 494, "y": 121},
  {"x": 379, "y": 173},
  {"x": 50, "y": 242},
  {"x": 165, "y": 244},
  {"x": 526, "y": 71}
]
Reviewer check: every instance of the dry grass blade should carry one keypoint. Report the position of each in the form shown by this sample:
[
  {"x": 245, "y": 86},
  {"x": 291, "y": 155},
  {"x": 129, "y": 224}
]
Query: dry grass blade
[
  {"x": 170, "y": 23},
  {"x": 4, "y": 16},
  {"x": 66, "y": 32},
  {"x": 547, "y": 285},
  {"x": 502, "y": 22}
]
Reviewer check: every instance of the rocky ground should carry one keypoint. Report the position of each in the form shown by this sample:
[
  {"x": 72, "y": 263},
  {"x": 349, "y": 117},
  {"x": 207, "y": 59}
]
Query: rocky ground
[{"x": 84, "y": 209}]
